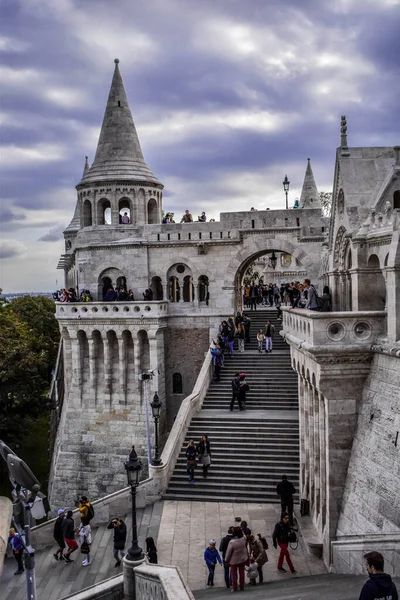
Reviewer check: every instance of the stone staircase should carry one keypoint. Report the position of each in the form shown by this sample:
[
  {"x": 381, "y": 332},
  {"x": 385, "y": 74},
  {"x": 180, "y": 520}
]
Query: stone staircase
[{"x": 251, "y": 450}]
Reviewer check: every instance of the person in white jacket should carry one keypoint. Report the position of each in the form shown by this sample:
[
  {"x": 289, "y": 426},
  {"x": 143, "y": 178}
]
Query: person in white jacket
[{"x": 85, "y": 536}]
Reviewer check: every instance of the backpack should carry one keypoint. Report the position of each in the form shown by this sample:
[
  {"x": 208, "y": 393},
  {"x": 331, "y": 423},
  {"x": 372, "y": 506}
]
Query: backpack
[
  {"x": 90, "y": 514},
  {"x": 264, "y": 542}
]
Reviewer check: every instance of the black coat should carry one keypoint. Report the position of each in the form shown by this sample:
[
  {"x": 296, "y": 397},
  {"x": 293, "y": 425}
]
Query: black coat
[
  {"x": 285, "y": 489},
  {"x": 119, "y": 535},
  {"x": 223, "y": 547},
  {"x": 201, "y": 446},
  {"x": 68, "y": 528},
  {"x": 281, "y": 533},
  {"x": 379, "y": 585},
  {"x": 58, "y": 532}
]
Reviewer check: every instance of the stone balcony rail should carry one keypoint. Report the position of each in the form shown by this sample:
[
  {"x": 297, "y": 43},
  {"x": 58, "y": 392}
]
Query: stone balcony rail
[
  {"x": 112, "y": 310},
  {"x": 319, "y": 332}
]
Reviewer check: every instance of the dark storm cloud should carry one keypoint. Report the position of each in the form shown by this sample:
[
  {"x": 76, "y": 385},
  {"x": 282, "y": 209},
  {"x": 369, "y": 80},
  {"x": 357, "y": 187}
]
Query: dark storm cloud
[
  {"x": 222, "y": 93},
  {"x": 53, "y": 235}
]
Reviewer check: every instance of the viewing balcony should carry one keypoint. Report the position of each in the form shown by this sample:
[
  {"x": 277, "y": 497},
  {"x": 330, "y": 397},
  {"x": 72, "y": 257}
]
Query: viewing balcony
[
  {"x": 324, "y": 332},
  {"x": 112, "y": 310}
]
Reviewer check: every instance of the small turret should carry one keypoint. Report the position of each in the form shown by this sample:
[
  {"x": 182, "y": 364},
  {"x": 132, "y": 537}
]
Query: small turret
[{"x": 309, "y": 194}]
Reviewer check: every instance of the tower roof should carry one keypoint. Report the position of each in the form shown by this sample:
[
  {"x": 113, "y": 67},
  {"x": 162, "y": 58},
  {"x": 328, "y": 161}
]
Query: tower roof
[
  {"x": 309, "y": 194},
  {"x": 118, "y": 155}
]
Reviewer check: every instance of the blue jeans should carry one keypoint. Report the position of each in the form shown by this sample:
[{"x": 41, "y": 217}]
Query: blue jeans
[{"x": 211, "y": 571}]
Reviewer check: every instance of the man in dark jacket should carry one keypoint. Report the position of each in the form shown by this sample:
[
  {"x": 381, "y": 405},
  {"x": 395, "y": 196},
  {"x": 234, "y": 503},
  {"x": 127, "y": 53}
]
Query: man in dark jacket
[
  {"x": 281, "y": 537},
  {"x": 236, "y": 392},
  {"x": 223, "y": 547},
  {"x": 58, "y": 535},
  {"x": 69, "y": 536},
  {"x": 119, "y": 539},
  {"x": 17, "y": 546},
  {"x": 379, "y": 585},
  {"x": 285, "y": 489}
]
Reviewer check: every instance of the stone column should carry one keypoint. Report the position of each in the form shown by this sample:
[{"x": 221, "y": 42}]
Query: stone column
[
  {"x": 322, "y": 464},
  {"x": 393, "y": 303},
  {"x": 92, "y": 372},
  {"x": 311, "y": 463},
  {"x": 302, "y": 432},
  {"x": 180, "y": 289},
  {"x": 123, "y": 367},
  {"x": 76, "y": 379},
  {"x": 107, "y": 370},
  {"x": 136, "y": 359},
  {"x": 306, "y": 490},
  {"x": 315, "y": 398}
]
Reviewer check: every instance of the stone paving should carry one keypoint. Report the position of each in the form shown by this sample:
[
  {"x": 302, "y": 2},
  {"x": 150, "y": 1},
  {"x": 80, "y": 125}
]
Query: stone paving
[
  {"x": 186, "y": 528},
  {"x": 55, "y": 580}
]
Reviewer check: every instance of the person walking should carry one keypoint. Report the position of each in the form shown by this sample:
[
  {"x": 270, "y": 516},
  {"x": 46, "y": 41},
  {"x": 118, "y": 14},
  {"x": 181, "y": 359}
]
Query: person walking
[
  {"x": 17, "y": 547},
  {"x": 235, "y": 392},
  {"x": 119, "y": 540},
  {"x": 257, "y": 550},
  {"x": 240, "y": 336},
  {"x": 260, "y": 340},
  {"x": 223, "y": 548},
  {"x": 211, "y": 556},
  {"x": 311, "y": 303},
  {"x": 269, "y": 333},
  {"x": 69, "y": 536},
  {"x": 379, "y": 585},
  {"x": 237, "y": 557},
  {"x": 204, "y": 453},
  {"x": 58, "y": 534},
  {"x": 191, "y": 461},
  {"x": 326, "y": 300},
  {"x": 285, "y": 489},
  {"x": 231, "y": 339},
  {"x": 151, "y": 551},
  {"x": 85, "y": 538},
  {"x": 281, "y": 537},
  {"x": 246, "y": 325},
  {"x": 243, "y": 389},
  {"x": 278, "y": 305},
  {"x": 85, "y": 508},
  {"x": 217, "y": 359}
]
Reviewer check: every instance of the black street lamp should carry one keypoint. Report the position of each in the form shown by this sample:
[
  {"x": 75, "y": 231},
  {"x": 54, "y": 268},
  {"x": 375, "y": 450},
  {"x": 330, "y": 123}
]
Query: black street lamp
[
  {"x": 155, "y": 409},
  {"x": 133, "y": 467},
  {"x": 286, "y": 184},
  {"x": 273, "y": 260}
]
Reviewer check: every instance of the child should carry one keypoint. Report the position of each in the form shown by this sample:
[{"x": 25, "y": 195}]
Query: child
[
  {"x": 252, "y": 571},
  {"x": 151, "y": 550},
  {"x": 211, "y": 556},
  {"x": 260, "y": 340}
]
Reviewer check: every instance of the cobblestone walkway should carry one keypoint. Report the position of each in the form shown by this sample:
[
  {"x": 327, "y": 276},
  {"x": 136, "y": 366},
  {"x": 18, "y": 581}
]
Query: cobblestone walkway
[
  {"x": 55, "y": 580},
  {"x": 187, "y": 527}
]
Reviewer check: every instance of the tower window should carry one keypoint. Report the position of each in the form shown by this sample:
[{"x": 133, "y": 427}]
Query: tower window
[
  {"x": 119, "y": 103},
  {"x": 177, "y": 383}
]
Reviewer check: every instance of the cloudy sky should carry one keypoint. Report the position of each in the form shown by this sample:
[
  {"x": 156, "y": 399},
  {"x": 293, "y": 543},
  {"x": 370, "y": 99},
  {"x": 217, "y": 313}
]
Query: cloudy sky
[{"x": 227, "y": 95}]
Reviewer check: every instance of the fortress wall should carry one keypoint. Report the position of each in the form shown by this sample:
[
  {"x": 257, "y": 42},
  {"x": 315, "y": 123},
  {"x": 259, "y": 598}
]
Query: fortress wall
[
  {"x": 370, "y": 502},
  {"x": 185, "y": 349}
]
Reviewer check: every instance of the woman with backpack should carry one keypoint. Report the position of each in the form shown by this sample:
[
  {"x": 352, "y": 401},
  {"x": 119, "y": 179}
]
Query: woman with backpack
[
  {"x": 257, "y": 548},
  {"x": 191, "y": 460},
  {"x": 204, "y": 453},
  {"x": 85, "y": 539}
]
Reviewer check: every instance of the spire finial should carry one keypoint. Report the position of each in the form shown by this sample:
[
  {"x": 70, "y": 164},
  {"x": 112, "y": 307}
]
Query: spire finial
[
  {"x": 86, "y": 167},
  {"x": 343, "y": 131},
  {"x": 116, "y": 60}
]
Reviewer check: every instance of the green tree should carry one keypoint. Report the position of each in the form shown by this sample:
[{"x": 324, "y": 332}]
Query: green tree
[
  {"x": 29, "y": 337},
  {"x": 326, "y": 202}
]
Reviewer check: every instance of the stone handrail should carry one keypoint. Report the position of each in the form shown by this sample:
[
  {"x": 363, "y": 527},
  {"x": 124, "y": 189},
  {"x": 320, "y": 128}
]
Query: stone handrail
[
  {"x": 112, "y": 310},
  {"x": 325, "y": 331},
  {"x": 157, "y": 581},
  {"x": 5, "y": 520},
  {"x": 347, "y": 553},
  {"x": 190, "y": 405}
]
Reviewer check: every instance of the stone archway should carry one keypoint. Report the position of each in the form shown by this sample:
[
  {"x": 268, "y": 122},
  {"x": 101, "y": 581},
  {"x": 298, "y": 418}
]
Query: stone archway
[{"x": 258, "y": 247}]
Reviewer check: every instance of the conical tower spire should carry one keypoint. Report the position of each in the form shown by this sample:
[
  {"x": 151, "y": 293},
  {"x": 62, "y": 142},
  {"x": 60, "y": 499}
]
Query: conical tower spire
[
  {"x": 309, "y": 194},
  {"x": 86, "y": 167},
  {"x": 118, "y": 155}
]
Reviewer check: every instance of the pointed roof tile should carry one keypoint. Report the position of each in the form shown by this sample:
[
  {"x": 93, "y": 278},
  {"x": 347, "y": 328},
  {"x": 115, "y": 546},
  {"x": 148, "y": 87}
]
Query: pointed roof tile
[
  {"x": 309, "y": 194},
  {"x": 118, "y": 155}
]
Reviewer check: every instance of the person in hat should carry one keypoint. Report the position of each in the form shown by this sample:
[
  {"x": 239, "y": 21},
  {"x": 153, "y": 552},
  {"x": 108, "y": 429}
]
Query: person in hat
[
  {"x": 58, "y": 534},
  {"x": 211, "y": 556}
]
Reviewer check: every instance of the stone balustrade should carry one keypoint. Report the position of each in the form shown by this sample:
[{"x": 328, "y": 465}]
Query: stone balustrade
[
  {"x": 111, "y": 310},
  {"x": 321, "y": 332}
]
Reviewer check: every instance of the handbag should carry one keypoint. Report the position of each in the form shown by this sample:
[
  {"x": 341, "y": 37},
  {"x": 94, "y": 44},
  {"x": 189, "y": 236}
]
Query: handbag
[{"x": 85, "y": 548}]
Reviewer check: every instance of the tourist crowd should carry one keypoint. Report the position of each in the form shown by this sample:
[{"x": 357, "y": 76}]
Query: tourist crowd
[{"x": 294, "y": 294}]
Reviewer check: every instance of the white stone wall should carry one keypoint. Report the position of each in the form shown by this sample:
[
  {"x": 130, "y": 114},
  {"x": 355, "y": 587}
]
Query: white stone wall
[{"x": 370, "y": 502}]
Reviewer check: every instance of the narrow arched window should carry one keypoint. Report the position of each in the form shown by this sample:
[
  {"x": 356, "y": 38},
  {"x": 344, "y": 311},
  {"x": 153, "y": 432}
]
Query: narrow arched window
[
  {"x": 177, "y": 383},
  {"x": 396, "y": 199}
]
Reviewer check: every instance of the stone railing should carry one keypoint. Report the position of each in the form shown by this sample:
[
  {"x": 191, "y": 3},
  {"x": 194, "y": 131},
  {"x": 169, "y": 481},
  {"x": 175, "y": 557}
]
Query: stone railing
[
  {"x": 347, "y": 553},
  {"x": 320, "y": 332},
  {"x": 109, "y": 589},
  {"x": 111, "y": 310},
  {"x": 190, "y": 405},
  {"x": 105, "y": 509},
  {"x": 159, "y": 582},
  {"x": 5, "y": 520}
]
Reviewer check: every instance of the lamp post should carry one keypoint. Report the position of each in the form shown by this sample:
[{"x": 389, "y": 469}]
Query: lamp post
[
  {"x": 133, "y": 467},
  {"x": 286, "y": 184},
  {"x": 273, "y": 260},
  {"x": 155, "y": 409}
]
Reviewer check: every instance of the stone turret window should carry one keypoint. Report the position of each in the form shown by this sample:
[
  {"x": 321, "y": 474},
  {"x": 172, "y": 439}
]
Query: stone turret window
[
  {"x": 104, "y": 212},
  {"x": 157, "y": 288},
  {"x": 203, "y": 288},
  {"x": 396, "y": 199},
  {"x": 87, "y": 213},
  {"x": 152, "y": 212}
]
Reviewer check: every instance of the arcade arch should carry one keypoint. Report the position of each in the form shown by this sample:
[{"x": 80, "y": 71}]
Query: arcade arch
[
  {"x": 125, "y": 210},
  {"x": 152, "y": 211},
  {"x": 180, "y": 283},
  {"x": 103, "y": 212},
  {"x": 87, "y": 213},
  {"x": 110, "y": 277}
]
